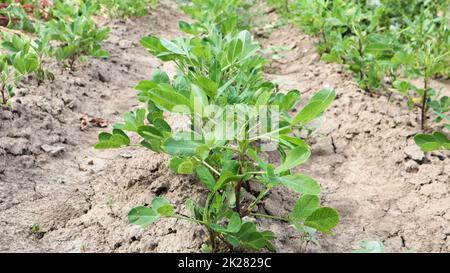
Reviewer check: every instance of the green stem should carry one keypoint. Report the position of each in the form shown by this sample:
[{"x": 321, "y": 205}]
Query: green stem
[
  {"x": 424, "y": 105},
  {"x": 270, "y": 217},
  {"x": 207, "y": 165},
  {"x": 180, "y": 217},
  {"x": 4, "y": 98},
  {"x": 269, "y": 133},
  {"x": 257, "y": 200}
]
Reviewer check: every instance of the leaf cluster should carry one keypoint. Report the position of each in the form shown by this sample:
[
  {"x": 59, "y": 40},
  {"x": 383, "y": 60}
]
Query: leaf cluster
[{"x": 220, "y": 67}]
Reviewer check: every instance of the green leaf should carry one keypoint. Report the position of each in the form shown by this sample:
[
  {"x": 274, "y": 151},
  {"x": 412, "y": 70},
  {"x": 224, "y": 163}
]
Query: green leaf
[
  {"x": 323, "y": 219},
  {"x": 248, "y": 236},
  {"x": 161, "y": 125},
  {"x": 234, "y": 50},
  {"x": 198, "y": 99},
  {"x": 293, "y": 142},
  {"x": 207, "y": 85},
  {"x": 166, "y": 97},
  {"x": 300, "y": 183},
  {"x": 158, "y": 202},
  {"x": 166, "y": 210},
  {"x": 434, "y": 142},
  {"x": 103, "y": 136},
  {"x": 142, "y": 216},
  {"x": 205, "y": 176},
  {"x": 111, "y": 142},
  {"x": 304, "y": 206},
  {"x": 160, "y": 76},
  {"x": 134, "y": 119},
  {"x": 162, "y": 206},
  {"x": 186, "y": 167},
  {"x": 290, "y": 100},
  {"x": 156, "y": 48},
  {"x": 172, "y": 47},
  {"x": 315, "y": 107},
  {"x": 146, "y": 85},
  {"x": 294, "y": 158},
  {"x": 254, "y": 156},
  {"x": 180, "y": 147},
  {"x": 186, "y": 27},
  {"x": 25, "y": 64},
  {"x": 263, "y": 98},
  {"x": 234, "y": 224},
  {"x": 149, "y": 132}
]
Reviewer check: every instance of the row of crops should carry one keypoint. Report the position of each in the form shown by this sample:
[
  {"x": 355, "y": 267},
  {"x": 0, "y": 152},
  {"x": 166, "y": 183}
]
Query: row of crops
[
  {"x": 35, "y": 32},
  {"x": 234, "y": 115},
  {"x": 391, "y": 46}
]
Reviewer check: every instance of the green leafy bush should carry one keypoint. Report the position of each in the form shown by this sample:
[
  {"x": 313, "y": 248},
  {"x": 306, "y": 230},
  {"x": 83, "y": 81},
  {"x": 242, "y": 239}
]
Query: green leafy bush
[
  {"x": 41, "y": 48},
  {"x": 76, "y": 32},
  {"x": 234, "y": 117},
  {"x": 23, "y": 14}
]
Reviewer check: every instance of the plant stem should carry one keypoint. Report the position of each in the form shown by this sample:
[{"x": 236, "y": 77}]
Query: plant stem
[
  {"x": 270, "y": 217},
  {"x": 269, "y": 133},
  {"x": 424, "y": 109},
  {"x": 212, "y": 239},
  {"x": 237, "y": 189},
  {"x": 257, "y": 200},
  {"x": 237, "y": 192},
  {"x": 286, "y": 6},
  {"x": 180, "y": 217},
  {"x": 4, "y": 98},
  {"x": 207, "y": 165}
]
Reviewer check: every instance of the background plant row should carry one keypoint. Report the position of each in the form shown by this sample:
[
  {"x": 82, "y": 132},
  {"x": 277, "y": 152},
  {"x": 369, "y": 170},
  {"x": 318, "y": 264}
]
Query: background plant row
[
  {"x": 65, "y": 30},
  {"x": 387, "y": 44}
]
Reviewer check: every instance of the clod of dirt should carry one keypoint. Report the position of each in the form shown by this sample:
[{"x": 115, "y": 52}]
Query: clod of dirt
[
  {"x": 103, "y": 77},
  {"x": 161, "y": 188},
  {"x": 414, "y": 153},
  {"x": 15, "y": 146},
  {"x": 53, "y": 150},
  {"x": 411, "y": 166}
]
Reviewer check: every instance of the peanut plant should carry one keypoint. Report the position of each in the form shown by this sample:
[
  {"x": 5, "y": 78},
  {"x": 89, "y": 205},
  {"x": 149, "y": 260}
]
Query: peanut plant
[
  {"x": 40, "y": 48},
  {"x": 76, "y": 32},
  {"x": 386, "y": 45},
  {"x": 234, "y": 116},
  {"x": 12, "y": 68}
]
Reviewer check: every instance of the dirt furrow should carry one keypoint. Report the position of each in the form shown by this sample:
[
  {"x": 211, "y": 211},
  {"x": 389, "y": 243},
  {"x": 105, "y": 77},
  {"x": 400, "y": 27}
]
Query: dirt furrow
[{"x": 79, "y": 197}]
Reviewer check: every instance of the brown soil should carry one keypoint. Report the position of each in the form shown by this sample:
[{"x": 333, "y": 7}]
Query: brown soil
[{"x": 364, "y": 157}]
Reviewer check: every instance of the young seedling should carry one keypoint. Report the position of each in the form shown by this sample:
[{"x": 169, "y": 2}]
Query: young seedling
[
  {"x": 23, "y": 45},
  {"x": 12, "y": 68},
  {"x": 35, "y": 228}
]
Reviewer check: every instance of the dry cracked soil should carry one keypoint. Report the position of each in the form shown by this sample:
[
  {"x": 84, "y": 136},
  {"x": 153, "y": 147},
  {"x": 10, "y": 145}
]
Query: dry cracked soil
[{"x": 364, "y": 156}]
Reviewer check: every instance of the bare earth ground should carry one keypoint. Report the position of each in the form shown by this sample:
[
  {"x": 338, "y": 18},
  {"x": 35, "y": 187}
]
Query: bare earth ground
[{"x": 363, "y": 156}]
